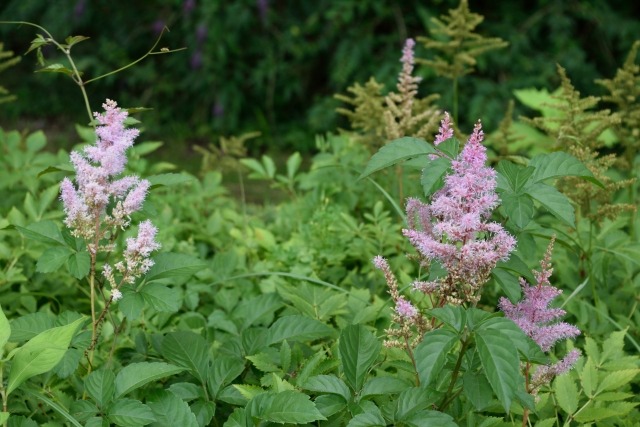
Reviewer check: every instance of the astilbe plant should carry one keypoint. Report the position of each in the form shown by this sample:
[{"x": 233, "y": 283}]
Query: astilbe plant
[
  {"x": 454, "y": 230},
  {"x": 540, "y": 322},
  {"x": 101, "y": 203}
]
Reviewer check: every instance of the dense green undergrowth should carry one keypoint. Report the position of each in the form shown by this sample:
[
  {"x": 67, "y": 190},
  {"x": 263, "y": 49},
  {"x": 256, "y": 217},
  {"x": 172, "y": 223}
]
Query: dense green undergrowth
[{"x": 256, "y": 315}]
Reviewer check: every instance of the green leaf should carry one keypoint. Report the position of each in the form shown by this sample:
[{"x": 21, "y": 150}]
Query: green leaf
[
  {"x": 517, "y": 266},
  {"x": 525, "y": 345},
  {"x": 501, "y": 364},
  {"x": 559, "y": 164},
  {"x": 131, "y": 303},
  {"x": 28, "y": 326},
  {"x": 367, "y": 419},
  {"x": 188, "y": 350},
  {"x": 136, "y": 375},
  {"x": 591, "y": 414},
  {"x": 518, "y": 208},
  {"x": 56, "y": 68},
  {"x": 328, "y": 384},
  {"x": 170, "y": 410},
  {"x": 455, "y": 317},
  {"x": 613, "y": 381},
  {"x": 330, "y": 404},
  {"x": 450, "y": 147},
  {"x": 359, "y": 349},
  {"x": 250, "y": 310},
  {"x": 169, "y": 179},
  {"x": 204, "y": 411},
  {"x": 52, "y": 259},
  {"x": 554, "y": 201},
  {"x": 509, "y": 283},
  {"x": 37, "y": 42},
  {"x": 43, "y": 231},
  {"x": 100, "y": 386},
  {"x": 515, "y": 176},
  {"x": 5, "y": 331},
  {"x": 41, "y": 353},
  {"x": 72, "y": 40},
  {"x": 79, "y": 264},
  {"x": 174, "y": 265},
  {"x": 130, "y": 413},
  {"x": 477, "y": 389},
  {"x": 223, "y": 370},
  {"x": 384, "y": 385},
  {"x": 297, "y": 328},
  {"x": 286, "y": 407},
  {"x": 589, "y": 378},
  {"x": 413, "y": 400},
  {"x": 82, "y": 410},
  {"x": 433, "y": 173},
  {"x": 431, "y": 354},
  {"x": 161, "y": 298},
  {"x": 567, "y": 394},
  {"x": 427, "y": 418},
  {"x": 263, "y": 362},
  {"x": 397, "y": 151}
]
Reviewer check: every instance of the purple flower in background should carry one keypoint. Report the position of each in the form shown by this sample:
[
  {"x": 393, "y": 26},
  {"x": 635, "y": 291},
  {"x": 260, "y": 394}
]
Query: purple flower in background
[
  {"x": 218, "y": 109},
  {"x": 158, "y": 26},
  {"x": 454, "y": 229},
  {"x": 196, "y": 60},
  {"x": 540, "y": 322},
  {"x": 201, "y": 33},
  {"x": 188, "y": 6},
  {"x": 263, "y": 9},
  {"x": 79, "y": 9}
]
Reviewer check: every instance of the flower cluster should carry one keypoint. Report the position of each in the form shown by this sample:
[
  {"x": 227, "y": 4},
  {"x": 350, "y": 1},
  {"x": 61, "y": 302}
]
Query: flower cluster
[
  {"x": 454, "y": 229},
  {"x": 101, "y": 204},
  {"x": 536, "y": 319}
]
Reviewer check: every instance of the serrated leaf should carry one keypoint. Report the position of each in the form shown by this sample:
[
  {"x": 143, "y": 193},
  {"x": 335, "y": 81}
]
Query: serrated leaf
[
  {"x": 397, "y": 151},
  {"x": 455, "y": 317},
  {"x": 501, "y": 364},
  {"x": 56, "y": 68},
  {"x": 554, "y": 201},
  {"x": 589, "y": 378},
  {"x": 367, "y": 419},
  {"x": 136, "y": 375},
  {"x": 43, "y": 231},
  {"x": 327, "y": 384},
  {"x": 359, "y": 349},
  {"x": 428, "y": 418},
  {"x": 330, "y": 404},
  {"x": 477, "y": 389},
  {"x": 72, "y": 40},
  {"x": 559, "y": 164},
  {"x": 100, "y": 386},
  {"x": 249, "y": 310},
  {"x": 432, "y": 175},
  {"x": 52, "y": 259},
  {"x": 5, "y": 331},
  {"x": 79, "y": 264},
  {"x": 414, "y": 400},
  {"x": 518, "y": 208},
  {"x": 591, "y": 414},
  {"x": 384, "y": 385},
  {"x": 263, "y": 362},
  {"x": 612, "y": 396},
  {"x": 450, "y": 147},
  {"x": 28, "y": 326},
  {"x": 174, "y": 265},
  {"x": 161, "y": 298},
  {"x": 170, "y": 410},
  {"x": 131, "y": 303},
  {"x": 616, "y": 379},
  {"x": 287, "y": 407},
  {"x": 567, "y": 394},
  {"x": 130, "y": 413},
  {"x": 223, "y": 370},
  {"x": 515, "y": 176},
  {"x": 188, "y": 350},
  {"x": 509, "y": 283},
  {"x": 431, "y": 354},
  {"x": 297, "y": 328},
  {"x": 41, "y": 353}
]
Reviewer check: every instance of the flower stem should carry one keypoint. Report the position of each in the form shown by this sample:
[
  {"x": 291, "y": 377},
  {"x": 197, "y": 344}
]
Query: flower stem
[{"x": 449, "y": 396}]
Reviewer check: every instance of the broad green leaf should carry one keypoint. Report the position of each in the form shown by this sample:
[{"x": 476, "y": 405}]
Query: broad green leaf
[
  {"x": 263, "y": 362},
  {"x": 286, "y": 407},
  {"x": 431, "y": 354},
  {"x": 204, "y": 411},
  {"x": 131, "y": 303},
  {"x": 43, "y": 231},
  {"x": 169, "y": 179},
  {"x": 554, "y": 201},
  {"x": 413, "y": 400},
  {"x": 397, "y": 151},
  {"x": 79, "y": 264},
  {"x": 174, "y": 265},
  {"x": 41, "y": 353},
  {"x": 518, "y": 208},
  {"x": 82, "y": 410},
  {"x": 170, "y": 410},
  {"x": 612, "y": 396},
  {"x": 237, "y": 419},
  {"x": 162, "y": 298},
  {"x": 612, "y": 347},
  {"x": 455, "y": 317},
  {"x": 590, "y": 414},
  {"x": 559, "y": 164},
  {"x": 143, "y": 148},
  {"x": 384, "y": 385},
  {"x": 188, "y": 350},
  {"x": 69, "y": 363},
  {"x": 427, "y": 418},
  {"x": 28, "y": 326},
  {"x": 52, "y": 259},
  {"x": 477, "y": 389},
  {"x": 327, "y": 384},
  {"x": 5, "y": 331},
  {"x": 567, "y": 394},
  {"x": 501, "y": 364},
  {"x": 56, "y": 68},
  {"x": 525, "y": 345},
  {"x": 330, "y": 404},
  {"x": 509, "y": 283},
  {"x": 72, "y": 40},
  {"x": 187, "y": 391},
  {"x": 515, "y": 176},
  {"x": 285, "y": 356},
  {"x": 100, "y": 386},
  {"x": 130, "y": 413},
  {"x": 136, "y": 375},
  {"x": 515, "y": 264},
  {"x": 359, "y": 349},
  {"x": 297, "y": 328},
  {"x": 250, "y": 310},
  {"x": 450, "y": 147},
  {"x": 432, "y": 175},
  {"x": 223, "y": 370},
  {"x": 367, "y": 419}
]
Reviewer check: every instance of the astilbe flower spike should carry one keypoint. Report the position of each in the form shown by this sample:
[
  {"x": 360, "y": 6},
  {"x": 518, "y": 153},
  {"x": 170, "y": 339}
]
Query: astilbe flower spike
[
  {"x": 101, "y": 204},
  {"x": 454, "y": 229},
  {"x": 536, "y": 319}
]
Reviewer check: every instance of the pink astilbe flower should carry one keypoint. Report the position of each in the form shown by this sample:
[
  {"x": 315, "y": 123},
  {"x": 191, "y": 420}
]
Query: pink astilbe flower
[
  {"x": 536, "y": 319},
  {"x": 455, "y": 229},
  {"x": 137, "y": 252},
  {"x": 445, "y": 131},
  {"x": 405, "y": 309}
]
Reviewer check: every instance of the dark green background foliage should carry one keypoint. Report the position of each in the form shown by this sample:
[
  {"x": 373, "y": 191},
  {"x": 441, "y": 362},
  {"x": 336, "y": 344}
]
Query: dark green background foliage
[{"x": 274, "y": 66}]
